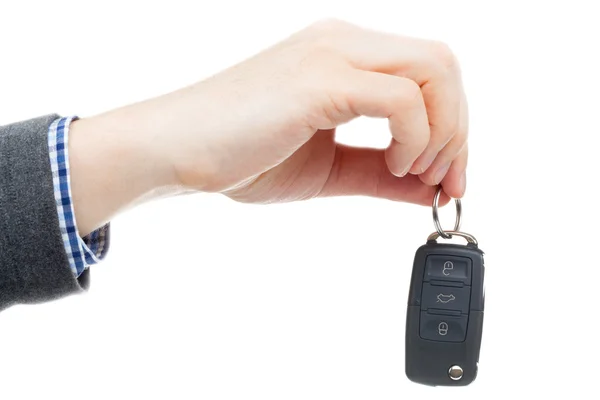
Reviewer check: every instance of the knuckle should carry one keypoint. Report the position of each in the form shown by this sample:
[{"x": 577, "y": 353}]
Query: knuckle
[
  {"x": 329, "y": 25},
  {"x": 408, "y": 95},
  {"x": 444, "y": 54},
  {"x": 461, "y": 135},
  {"x": 451, "y": 133},
  {"x": 422, "y": 141},
  {"x": 457, "y": 133},
  {"x": 320, "y": 48},
  {"x": 465, "y": 152},
  {"x": 418, "y": 140},
  {"x": 324, "y": 35},
  {"x": 463, "y": 149}
]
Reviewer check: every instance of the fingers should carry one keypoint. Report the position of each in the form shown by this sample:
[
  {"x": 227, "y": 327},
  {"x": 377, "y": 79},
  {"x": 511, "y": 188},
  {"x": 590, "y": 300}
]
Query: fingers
[
  {"x": 443, "y": 108},
  {"x": 434, "y": 69},
  {"x": 362, "y": 171},
  {"x": 398, "y": 99},
  {"x": 451, "y": 160},
  {"x": 455, "y": 181},
  {"x": 432, "y": 65}
]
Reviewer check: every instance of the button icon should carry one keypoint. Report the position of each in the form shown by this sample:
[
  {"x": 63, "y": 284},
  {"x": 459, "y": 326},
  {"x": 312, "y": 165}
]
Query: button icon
[
  {"x": 445, "y": 298},
  {"x": 443, "y": 329},
  {"x": 448, "y": 266}
]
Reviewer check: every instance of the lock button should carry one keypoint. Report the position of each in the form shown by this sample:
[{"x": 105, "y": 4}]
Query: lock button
[
  {"x": 443, "y": 328},
  {"x": 448, "y": 268}
]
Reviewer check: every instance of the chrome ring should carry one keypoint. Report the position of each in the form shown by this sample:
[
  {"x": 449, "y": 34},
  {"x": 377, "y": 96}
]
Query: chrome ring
[
  {"x": 469, "y": 238},
  {"x": 436, "y": 220}
]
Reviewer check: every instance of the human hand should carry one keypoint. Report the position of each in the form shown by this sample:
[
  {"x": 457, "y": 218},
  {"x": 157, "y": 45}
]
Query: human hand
[
  {"x": 264, "y": 130},
  {"x": 272, "y": 119}
]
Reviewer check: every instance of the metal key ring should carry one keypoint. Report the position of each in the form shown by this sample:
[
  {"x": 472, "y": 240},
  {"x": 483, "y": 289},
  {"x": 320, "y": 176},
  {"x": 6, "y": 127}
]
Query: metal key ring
[
  {"x": 469, "y": 238},
  {"x": 436, "y": 220}
]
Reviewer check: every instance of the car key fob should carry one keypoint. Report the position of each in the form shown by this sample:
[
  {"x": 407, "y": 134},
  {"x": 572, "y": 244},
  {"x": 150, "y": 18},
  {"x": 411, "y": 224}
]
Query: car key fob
[{"x": 444, "y": 319}]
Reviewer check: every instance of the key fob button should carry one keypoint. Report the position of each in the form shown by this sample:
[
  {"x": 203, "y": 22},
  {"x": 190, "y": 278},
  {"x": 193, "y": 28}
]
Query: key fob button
[
  {"x": 445, "y": 298},
  {"x": 448, "y": 268},
  {"x": 443, "y": 328}
]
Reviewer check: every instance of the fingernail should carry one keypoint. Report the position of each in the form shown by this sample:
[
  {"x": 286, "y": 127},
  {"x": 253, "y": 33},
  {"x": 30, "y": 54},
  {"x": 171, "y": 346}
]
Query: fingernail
[
  {"x": 439, "y": 175},
  {"x": 427, "y": 162},
  {"x": 405, "y": 171},
  {"x": 463, "y": 183}
]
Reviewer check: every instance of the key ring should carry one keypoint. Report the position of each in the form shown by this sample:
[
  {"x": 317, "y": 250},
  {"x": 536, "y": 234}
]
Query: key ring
[
  {"x": 469, "y": 238},
  {"x": 436, "y": 220}
]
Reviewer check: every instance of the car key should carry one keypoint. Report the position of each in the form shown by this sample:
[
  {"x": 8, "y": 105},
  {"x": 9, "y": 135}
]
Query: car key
[{"x": 444, "y": 321}]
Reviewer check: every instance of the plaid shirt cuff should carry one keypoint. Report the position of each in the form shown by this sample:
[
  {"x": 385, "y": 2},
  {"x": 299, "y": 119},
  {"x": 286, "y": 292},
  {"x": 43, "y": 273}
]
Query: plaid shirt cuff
[{"x": 81, "y": 251}]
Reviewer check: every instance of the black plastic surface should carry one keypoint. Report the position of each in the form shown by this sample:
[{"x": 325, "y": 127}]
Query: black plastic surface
[{"x": 443, "y": 331}]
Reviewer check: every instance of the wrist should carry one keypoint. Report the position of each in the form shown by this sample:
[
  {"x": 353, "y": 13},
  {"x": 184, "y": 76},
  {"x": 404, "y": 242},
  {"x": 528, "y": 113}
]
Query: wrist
[
  {"x": 112, "y": 168},
  {"x": 172, "y": 131}
]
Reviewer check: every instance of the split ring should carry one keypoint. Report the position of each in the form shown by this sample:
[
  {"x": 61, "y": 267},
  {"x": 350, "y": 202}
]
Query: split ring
[{"x": 436, "y": 220}]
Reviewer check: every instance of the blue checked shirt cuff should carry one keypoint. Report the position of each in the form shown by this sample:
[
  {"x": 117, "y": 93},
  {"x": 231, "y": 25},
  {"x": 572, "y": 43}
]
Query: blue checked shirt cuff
[{"x": 82, "y": 252}]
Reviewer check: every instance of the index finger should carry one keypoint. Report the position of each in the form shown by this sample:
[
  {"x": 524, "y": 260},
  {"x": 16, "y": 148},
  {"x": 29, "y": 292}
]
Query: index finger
[{"x": 432, "y": 65}]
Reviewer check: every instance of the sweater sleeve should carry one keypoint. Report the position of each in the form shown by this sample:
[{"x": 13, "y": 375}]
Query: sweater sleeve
[{"x": 34, "y": 266}]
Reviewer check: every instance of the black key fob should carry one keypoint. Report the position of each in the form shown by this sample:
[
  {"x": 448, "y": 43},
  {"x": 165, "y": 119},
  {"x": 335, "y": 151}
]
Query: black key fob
[{"x": 445, "y": 311}]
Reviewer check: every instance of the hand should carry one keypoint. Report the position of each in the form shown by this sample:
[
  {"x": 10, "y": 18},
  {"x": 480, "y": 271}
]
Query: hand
[{"x": 264, "y": 130}]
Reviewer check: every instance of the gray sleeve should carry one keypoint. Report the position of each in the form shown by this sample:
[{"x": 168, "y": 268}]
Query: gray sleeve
[{"x": 33, "y": 262}]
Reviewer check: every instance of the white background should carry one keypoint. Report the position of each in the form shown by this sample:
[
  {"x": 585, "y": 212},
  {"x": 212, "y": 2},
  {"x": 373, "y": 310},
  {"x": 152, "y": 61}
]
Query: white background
[{"x": 202, "y": 297}]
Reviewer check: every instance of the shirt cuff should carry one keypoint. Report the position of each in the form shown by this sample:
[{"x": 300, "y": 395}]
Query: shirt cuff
[{"x": 82, "y": 252}]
